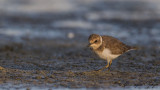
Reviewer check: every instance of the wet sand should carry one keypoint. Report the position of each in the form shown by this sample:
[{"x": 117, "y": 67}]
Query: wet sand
[{"x": 72, "y": 66}]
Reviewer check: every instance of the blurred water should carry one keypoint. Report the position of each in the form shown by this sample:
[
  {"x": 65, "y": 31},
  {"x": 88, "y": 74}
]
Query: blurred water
[
  {"x": 131, "y": 36},
  {"x": 124, "y": 9},
  {"x": 30, "y": 33},
  {"x": 90, "y": 16},
  {"x": 81, "y": 17},
  {"x": 35, "y": 6}
]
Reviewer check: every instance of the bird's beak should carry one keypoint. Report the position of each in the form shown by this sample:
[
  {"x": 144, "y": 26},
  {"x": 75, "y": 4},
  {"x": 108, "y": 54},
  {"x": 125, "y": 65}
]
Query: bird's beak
[{"x": 88, "y": 45}]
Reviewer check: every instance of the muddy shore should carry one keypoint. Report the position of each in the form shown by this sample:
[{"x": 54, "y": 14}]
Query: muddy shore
[{"x": 70, "y": 65}]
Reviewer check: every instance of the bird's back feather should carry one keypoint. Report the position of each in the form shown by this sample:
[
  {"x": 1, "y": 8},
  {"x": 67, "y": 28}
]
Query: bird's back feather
[{"x": 115, "y": 45}]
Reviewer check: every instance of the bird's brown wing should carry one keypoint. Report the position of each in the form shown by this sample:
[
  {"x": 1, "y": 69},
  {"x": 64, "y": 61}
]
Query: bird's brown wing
[{"x": 115, "y": 45}]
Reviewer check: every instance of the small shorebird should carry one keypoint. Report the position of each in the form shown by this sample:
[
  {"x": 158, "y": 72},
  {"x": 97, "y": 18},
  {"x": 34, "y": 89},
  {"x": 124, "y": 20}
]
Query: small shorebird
[{"x": 107, "y": 48}]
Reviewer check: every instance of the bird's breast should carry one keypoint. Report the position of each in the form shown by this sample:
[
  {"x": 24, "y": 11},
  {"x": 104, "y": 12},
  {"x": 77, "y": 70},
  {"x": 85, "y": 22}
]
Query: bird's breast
[{"x": 106, "y": 53}]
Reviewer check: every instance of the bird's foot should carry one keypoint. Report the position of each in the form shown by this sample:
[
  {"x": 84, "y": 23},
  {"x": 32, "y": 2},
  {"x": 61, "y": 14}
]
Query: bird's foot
[
  {"x": 99, "y": 70},
  {"x": 108, "y": 69}
]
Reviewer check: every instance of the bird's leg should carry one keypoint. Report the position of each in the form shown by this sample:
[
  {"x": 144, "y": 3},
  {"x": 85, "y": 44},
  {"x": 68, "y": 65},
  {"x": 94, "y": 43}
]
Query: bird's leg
[
  {"x": 110, "y": 65},
  {"x": 101, "y": 69}
]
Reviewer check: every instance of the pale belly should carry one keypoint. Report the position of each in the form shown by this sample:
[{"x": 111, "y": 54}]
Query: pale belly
[{"x": 106, "y": 54}]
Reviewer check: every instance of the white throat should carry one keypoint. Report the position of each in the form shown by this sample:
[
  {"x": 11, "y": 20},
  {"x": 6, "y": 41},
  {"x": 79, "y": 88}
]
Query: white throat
[{"x": 100, "y": 40}]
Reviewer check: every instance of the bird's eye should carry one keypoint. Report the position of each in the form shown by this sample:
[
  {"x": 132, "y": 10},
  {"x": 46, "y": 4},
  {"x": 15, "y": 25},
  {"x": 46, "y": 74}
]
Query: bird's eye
[{"x": 95, "y": 41}]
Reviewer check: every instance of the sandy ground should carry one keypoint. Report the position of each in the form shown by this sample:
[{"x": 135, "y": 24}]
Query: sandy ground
[{"x": 48, "y": 49}]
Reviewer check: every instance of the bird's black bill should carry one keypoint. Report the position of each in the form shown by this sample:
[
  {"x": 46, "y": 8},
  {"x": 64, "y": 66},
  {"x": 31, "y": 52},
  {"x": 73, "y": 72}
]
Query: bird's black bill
[{"x": 88, "y": 45}]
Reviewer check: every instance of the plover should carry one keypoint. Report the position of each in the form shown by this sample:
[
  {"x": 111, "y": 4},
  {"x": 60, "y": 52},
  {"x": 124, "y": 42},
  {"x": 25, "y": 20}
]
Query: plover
[{"x": 107, "y": 48}]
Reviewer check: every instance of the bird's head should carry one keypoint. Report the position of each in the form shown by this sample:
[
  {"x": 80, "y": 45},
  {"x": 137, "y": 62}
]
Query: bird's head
[{"x": 95, "y": 41}]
